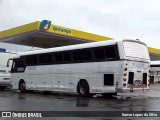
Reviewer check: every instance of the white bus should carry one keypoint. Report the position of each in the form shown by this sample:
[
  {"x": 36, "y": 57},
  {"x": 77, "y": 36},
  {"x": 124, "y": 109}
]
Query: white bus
[
  {"x": 104, "y": 67},
  {"x": 4, "y": 70}
]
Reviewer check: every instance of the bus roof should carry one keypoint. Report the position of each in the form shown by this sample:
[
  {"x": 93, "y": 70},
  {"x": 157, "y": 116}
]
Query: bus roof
[{"x": 72, "y": 47}]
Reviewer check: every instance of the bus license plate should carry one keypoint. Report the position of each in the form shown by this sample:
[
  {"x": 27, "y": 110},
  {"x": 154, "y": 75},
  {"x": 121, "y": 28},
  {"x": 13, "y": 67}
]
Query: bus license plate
[{"x": 138, "y": 82}]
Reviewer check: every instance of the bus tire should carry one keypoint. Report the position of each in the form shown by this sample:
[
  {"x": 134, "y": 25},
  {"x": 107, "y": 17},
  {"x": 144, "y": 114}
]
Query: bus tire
[
  {"x": 22, "y": 86},
  {"x": 83, "y": 88}
]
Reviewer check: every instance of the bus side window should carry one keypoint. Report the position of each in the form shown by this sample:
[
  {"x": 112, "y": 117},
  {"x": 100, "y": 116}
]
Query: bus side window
[
  {"x": 20, "y": 64},
  {"x": 45, "y": 58},
  {"x": 67, "y": 56},
  {"x": 41, "y": 58},
  {"x": 110, "y": 52},
  {"x": 34, "y": 59},
  {"x": 48, "y": 58},
  {"x": 99, "y": 53},
  {"x": 77, "y": 55},
  {"x": 59, "y": 57},
  {"x": 86, "y": 54},
  {"x": 28, "y": 61},
  {"x": 31, "y": 60}
]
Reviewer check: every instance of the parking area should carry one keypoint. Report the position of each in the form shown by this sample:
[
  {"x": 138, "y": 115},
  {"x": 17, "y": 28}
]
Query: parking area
[{"x": 38, "y": 101}]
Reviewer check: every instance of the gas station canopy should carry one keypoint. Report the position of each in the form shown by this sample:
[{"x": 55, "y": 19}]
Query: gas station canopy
[{"x": 46, "y": 35}]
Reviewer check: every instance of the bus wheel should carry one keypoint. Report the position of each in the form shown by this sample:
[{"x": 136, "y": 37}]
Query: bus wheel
[
  {"x": 83, "y": 88},
  {"x": 22, "y": 86}
]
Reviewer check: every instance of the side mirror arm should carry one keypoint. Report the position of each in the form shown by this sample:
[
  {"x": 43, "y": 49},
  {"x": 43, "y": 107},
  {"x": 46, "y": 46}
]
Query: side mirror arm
[{"x": 8, "y": 62}]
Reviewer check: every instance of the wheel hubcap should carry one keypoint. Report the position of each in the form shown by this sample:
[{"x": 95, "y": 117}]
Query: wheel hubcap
[
  {"x": 82, "y": 90},
  {"x": 23, "y": 86}
]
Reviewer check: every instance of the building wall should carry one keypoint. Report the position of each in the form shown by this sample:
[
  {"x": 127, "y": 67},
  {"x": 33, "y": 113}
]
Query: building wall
[{"x": 155, "y": 74}]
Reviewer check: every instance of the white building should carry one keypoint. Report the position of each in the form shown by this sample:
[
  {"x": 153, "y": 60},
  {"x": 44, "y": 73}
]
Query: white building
[{"x": 155, "y": 72}]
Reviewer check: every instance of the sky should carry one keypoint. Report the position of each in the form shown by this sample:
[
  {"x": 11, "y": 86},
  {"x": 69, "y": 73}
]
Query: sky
[{"x": 119, "y": 19}]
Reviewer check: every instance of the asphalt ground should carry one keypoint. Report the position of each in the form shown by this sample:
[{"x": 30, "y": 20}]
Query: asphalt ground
[{"x": 11, "y": 100}]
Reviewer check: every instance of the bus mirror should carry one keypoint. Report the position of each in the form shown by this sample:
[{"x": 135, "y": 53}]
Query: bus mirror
[{"x": 8, "y": 63}]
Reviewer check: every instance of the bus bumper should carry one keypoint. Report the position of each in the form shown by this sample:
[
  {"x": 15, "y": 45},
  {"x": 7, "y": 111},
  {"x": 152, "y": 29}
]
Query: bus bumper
[
  {"x": 103, "y": 90},
  {"x": 127, "y": 90},
  {"x": 5, "y": 83}
]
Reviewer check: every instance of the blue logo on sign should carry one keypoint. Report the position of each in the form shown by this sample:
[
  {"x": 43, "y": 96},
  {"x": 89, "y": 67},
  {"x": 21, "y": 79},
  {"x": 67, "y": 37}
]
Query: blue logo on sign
[{"x": 45, "y": 24}]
